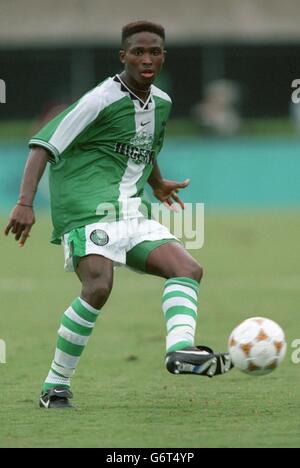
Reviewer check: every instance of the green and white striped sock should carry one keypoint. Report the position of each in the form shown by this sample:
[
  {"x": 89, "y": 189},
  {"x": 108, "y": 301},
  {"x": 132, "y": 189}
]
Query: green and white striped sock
[
  {"x": 180, "y": 304},
  {"x": 73, "y": 335}
]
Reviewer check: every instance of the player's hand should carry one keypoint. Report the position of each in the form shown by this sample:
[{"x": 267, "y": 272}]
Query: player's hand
[
  {"x": 20, "y": 223},
  {"x": 167, "y": 191}
]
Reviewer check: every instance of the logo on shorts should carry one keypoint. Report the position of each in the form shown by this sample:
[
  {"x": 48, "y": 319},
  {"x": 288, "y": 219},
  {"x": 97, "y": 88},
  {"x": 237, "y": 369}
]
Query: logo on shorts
[{"x": 99, "y": 237}]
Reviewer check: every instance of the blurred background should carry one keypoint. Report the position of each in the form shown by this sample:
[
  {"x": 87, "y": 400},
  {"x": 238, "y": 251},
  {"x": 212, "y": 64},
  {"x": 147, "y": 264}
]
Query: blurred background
[
  {"x": 236, "y": 134},
  {"x": 229, "y": 70}
]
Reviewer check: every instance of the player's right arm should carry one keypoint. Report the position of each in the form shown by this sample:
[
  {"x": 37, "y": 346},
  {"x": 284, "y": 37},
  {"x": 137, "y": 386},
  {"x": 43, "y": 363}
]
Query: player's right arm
[
  {"x": 47, "y": 146},
  {"x": 22, "y": 216}
]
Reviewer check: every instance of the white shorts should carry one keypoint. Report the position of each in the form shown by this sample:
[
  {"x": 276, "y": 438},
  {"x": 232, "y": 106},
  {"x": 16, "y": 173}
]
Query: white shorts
[{"x": 111, "y": 240}]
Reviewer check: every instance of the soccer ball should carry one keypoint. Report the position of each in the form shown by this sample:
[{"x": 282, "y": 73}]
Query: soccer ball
[{"x": 257, "y": 346}]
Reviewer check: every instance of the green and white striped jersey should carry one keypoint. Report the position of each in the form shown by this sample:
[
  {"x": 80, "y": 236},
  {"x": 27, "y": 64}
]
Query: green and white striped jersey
[{"x": 102, "y": 149}]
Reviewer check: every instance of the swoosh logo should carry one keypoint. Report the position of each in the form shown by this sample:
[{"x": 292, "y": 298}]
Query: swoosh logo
[
  {"x": 145, "y": 123},
  {"x": 195, "y": 353}
]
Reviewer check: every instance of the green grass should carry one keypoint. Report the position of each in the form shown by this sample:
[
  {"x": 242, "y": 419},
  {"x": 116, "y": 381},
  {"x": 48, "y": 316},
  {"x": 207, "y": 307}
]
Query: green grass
[{"x": 124, "y": 397}]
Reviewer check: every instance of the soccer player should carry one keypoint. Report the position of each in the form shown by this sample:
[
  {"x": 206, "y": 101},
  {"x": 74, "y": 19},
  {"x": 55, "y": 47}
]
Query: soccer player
[{"x": 103, "y": 150}]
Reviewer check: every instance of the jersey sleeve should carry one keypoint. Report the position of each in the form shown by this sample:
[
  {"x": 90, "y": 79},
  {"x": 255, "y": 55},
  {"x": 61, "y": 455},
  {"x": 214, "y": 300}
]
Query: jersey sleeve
[{"x": 61, "y": 131}]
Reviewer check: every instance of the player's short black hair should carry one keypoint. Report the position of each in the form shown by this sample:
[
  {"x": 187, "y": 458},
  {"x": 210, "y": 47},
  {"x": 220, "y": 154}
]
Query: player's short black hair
[{"x": 142, "y": 26}]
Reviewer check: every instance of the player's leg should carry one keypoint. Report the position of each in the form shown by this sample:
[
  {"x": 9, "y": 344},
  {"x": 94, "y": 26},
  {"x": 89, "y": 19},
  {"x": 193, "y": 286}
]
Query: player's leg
[
  {"x": 173, "y": 260},
  {"x": 180, "y": 298},
  {"x": 180, "y": 307},
  {"x": 167, "y": 258},
  {"x": 96, "y": 275}
]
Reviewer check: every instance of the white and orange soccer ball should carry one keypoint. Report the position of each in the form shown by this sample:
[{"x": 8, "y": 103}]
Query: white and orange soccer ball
[{"x": 257, "y": 346}]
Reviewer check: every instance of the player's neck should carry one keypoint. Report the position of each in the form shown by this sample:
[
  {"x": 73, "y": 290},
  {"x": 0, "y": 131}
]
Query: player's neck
[{"x": 140, "y": 91}]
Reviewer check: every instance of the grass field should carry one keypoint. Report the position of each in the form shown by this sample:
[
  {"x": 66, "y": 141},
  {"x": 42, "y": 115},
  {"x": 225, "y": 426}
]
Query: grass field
[{"x": 124, "y": 396}]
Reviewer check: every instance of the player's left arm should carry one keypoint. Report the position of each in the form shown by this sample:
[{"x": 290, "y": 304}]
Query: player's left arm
[{"x": 166, "y": 190}]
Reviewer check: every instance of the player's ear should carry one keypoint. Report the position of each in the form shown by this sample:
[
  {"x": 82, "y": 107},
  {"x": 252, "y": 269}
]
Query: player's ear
[{"x": 122, "y": 55}]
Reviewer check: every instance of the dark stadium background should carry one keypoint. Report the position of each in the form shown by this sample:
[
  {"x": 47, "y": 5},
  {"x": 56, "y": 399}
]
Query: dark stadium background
[{"x": 264, "y": 71}]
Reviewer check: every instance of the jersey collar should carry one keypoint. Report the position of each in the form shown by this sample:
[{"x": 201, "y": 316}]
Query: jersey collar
[{"x": 125, "y": 89}]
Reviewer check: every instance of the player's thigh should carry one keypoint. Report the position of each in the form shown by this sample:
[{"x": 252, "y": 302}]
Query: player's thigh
[
  {"x": 173, "y": 260},
  {"x": 95, "y": 272},
  {"x": 137, "y": 257},
  {"x": 148, "y": 235}
]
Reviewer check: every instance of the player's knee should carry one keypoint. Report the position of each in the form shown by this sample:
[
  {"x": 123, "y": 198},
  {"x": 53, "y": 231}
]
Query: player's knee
[
  {"x": 190, "y": 270},
  {"x": 96, "y": 292},
  {"x": 196, "y": 272}
]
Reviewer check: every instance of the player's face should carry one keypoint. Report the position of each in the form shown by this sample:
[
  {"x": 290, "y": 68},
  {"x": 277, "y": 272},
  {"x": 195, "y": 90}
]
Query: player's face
[{"x": 143, "y": 58}]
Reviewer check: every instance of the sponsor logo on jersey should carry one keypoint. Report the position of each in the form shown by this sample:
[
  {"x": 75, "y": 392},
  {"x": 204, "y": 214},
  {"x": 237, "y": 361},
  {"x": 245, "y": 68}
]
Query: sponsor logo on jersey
[
  {"x": 139, "y": 150},
  {"x": 99, "y": 237}
]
